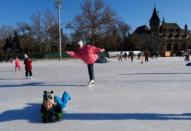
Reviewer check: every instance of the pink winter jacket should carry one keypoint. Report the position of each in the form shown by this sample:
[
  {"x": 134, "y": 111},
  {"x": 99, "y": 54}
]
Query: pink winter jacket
[
  {"x": 87, "y": 53},
  {"x": 17, "y": 62}
]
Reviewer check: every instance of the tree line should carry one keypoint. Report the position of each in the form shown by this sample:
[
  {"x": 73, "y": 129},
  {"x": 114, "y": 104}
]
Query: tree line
[{"x": 97, "y": 23}]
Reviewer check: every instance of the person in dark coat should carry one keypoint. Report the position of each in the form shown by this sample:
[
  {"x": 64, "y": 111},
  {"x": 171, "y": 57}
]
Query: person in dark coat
[
  {"x": 131, "y": 55},
  {"x": 146, "y": 54},
  {"x": 28, "y": 66},
  {"x": 125, "y": 56}
]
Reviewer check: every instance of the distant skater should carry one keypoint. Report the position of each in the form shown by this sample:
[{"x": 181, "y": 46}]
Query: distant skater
[
  {"x": 186, "y": 58},
  {"x": 28, "y": 66},
  {"x": 146, "y": 54},
  {"x": 89, "y": 54},
  {"x": 139, "y": 56},
  {"x": 156, "y": 55},
  {"x": 125, "y": 56},
  {"x": 17, "y": 64},
  {"x": 120, "y": 56},
  {"x": 131, "y": 55}
]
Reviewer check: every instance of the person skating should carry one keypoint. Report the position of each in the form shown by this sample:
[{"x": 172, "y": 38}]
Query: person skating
[
  {"x": 139, "y": 56},
  {"x": 17, "y": 64},
  {"x": 89, "y": 54},
  {"x": 125, "y": 56},
  {"x": 131, "y": 55},
  {"x": 120, "y": 56},
  {"x": 146, "y": 54},
  {"x": 186, "y": 58},
  {"x": 28, "y": 66}
]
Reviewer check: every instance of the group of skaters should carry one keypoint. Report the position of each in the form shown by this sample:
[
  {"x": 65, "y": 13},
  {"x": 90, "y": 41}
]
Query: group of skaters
[
  {"x": 86, "y": 52},
  {"x": 52, "y": 106},
  {"x": 27, "y": 63},
  {"x": 142, "y": 56}
]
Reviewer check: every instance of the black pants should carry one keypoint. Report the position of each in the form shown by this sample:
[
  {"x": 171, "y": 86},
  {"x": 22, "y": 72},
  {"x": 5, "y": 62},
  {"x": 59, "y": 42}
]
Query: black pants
[
  {"x": 146, "y": 59},
  {"x": 28, "y": 73},
  {"x": 91, "y": 71}
]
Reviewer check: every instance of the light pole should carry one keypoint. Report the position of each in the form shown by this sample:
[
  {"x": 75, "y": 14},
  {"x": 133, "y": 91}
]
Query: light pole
[{"x": 58, "y": 6}]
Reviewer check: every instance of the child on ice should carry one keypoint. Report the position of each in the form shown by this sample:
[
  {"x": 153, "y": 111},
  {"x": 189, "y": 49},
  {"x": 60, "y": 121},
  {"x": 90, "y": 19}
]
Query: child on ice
[
  {"x": 88, "y": 54},
  {"x": 51, "y": 108},
  {"x": 28, "y": 66},
  {"x": 17, "y": 64}
]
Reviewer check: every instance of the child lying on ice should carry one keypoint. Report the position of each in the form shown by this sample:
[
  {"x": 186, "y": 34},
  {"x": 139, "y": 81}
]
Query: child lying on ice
[{"x": 52, "y": 106}]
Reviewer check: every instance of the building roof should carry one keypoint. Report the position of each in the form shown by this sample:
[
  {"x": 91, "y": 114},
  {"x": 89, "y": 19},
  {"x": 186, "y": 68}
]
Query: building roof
[
  {"x": 167, "y": 30},
  {"x": 170, "y": 26},
  {"x": 172, "y": 30},
  {"x": 142, "y": 29}
]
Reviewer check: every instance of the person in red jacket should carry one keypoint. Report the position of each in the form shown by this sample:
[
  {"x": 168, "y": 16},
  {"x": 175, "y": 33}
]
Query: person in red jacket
[
  {"x": 28, "y": 66},
  {"x": 88, "y": 54}
]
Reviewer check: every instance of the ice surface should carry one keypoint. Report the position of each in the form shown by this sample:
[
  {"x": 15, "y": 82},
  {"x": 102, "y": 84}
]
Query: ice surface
[{"x": 127, "y": 96}]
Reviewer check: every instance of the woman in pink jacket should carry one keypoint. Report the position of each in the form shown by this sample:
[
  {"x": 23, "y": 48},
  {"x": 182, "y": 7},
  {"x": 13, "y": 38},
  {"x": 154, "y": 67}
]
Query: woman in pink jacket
[{"x": 88, "y": 54}]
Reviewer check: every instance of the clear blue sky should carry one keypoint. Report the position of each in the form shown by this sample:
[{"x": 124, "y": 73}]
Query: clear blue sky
[{"x": 133, "y": 12}]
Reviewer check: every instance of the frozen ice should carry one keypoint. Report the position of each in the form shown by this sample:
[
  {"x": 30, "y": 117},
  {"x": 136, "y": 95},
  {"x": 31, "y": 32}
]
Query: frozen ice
[{"x": 127, "y": 96}]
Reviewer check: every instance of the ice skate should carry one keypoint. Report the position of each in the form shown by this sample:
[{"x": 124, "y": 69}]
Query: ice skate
[{"x": 91, "y": 83}]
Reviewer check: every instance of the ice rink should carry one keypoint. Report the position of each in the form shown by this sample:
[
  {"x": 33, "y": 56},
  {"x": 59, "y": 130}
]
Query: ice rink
[{"x": 127, "y": 96}]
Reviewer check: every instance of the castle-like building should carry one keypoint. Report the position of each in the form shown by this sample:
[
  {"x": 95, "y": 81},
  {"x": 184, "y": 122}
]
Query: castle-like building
[{"x": 165, "y": 36}]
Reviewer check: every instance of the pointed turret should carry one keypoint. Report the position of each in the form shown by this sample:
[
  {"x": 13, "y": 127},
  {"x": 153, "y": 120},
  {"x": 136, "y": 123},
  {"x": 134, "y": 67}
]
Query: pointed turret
[{"x": 154, "y": 21}]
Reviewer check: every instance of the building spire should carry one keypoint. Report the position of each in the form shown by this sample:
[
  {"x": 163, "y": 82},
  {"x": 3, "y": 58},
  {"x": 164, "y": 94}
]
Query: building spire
[
  {"x": 154, "y": 21},
  {"x": 155, "y": 15}
]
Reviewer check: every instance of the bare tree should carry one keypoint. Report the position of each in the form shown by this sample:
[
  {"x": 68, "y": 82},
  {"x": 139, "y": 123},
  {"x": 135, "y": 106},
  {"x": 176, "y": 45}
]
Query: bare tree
[
  {"x": 24, "y": 30},
  {"x": 37, "y": 32},
  {"x": 49, "y": 21},
  {"x": 6, "y": 31},
  {"x": 50, "y": 31},
  {"x": 123, "y": 31},
  {"x": 95, "y": 19}
]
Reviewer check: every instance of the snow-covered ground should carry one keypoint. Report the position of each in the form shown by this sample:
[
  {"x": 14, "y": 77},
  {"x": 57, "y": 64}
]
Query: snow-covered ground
[{"x": 154, "y": 96}]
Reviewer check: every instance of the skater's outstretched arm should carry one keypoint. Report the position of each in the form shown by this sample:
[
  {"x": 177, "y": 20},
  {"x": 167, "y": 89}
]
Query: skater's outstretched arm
[{"x": 73, "y": 54}]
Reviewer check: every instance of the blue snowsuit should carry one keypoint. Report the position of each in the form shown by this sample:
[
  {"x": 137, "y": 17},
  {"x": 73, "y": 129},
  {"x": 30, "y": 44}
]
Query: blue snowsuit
[
  {"x": 64, "y": 100},
  {"x": 55, "y": 113}
]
